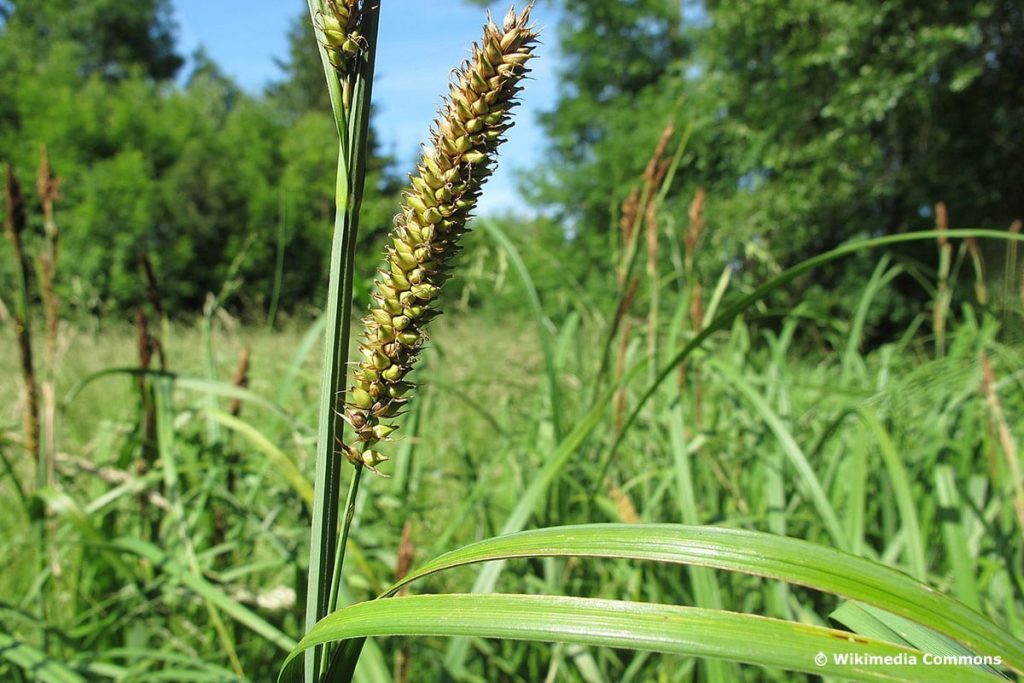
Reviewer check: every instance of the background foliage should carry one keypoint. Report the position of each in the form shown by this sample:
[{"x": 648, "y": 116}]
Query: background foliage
[{"x": 188, "y": 168}]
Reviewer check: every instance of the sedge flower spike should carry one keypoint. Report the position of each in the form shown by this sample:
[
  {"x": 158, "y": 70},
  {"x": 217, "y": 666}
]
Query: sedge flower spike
[
  {"x": 443, "y": 193},
  {"x": 340, "y": 23}
]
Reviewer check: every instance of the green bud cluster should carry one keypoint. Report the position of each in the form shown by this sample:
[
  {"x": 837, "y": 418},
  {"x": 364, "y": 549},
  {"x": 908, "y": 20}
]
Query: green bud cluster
[
  {"x": 443, "y": 193},
  {"x": 339, "y": 21}
]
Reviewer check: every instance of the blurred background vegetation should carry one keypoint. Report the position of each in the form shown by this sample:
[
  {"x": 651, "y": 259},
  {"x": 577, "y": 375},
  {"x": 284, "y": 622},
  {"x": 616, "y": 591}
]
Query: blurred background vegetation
[{"x": 809, "y": 123}]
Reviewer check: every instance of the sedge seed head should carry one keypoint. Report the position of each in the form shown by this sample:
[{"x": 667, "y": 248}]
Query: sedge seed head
[{"x": 439, "y": 201}]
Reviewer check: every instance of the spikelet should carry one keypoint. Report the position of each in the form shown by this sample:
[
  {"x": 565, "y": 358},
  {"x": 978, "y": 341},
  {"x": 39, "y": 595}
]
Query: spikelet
[
  {"x": 340, "y": 23},
  {"x": 444, "y": 191}
]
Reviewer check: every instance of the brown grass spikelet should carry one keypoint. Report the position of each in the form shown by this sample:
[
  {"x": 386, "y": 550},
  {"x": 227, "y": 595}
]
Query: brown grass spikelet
[
  {"x": 656, "y": 167},
  {"x": 48, "y": 189},
  {"x": 443, "y": 193},
  {"x": 15, "y": 223},
  {"x": 623, "y": 504},
  {"x": 941, "y": 222},
  {"x": 978, "y": 261},
  {"x": 240, "y": 380},
  {"x": 629, "y": 214}
]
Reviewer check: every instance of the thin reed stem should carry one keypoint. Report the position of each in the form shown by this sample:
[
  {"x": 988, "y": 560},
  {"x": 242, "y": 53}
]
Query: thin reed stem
[
  {"x": 350, "y": 99},
  {"x": 339, "y": 560}
]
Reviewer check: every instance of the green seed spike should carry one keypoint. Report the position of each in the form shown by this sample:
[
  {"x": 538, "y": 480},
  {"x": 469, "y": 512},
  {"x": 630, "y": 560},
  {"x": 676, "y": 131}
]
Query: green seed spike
[
  {"x": 382, "y": 432},
  {"x": 442, "y": 195}
]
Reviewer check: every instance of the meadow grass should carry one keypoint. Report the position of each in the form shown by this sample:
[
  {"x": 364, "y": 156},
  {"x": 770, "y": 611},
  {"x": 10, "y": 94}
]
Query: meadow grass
[{"x": 482, "y": 433}]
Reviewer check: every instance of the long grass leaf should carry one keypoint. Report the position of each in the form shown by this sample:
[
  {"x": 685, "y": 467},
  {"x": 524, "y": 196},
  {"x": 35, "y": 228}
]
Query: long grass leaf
[
  {"x": 38, "y": 664},
  {"x": 898, "y": 477},
  {"x": 750, "y": 552},
  {"x": 808, "y": 480},
  {"x": 689, "y": 631},
  {"x": 284, "y": 464}
]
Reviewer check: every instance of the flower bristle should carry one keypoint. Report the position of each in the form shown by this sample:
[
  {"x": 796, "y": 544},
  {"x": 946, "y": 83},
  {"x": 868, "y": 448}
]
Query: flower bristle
[{"x": 436, "y": 207}]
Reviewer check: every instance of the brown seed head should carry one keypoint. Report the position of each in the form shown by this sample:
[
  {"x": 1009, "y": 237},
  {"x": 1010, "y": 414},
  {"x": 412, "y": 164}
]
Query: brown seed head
[
  {"x": 942, "y": 223},
  {"x": 442, "y": 195},
  {"x": 14, "y": 215}
]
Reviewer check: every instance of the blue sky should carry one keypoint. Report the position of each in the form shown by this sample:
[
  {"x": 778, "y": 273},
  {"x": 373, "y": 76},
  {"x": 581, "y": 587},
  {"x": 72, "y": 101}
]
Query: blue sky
[{"x": 420, "y": 42}]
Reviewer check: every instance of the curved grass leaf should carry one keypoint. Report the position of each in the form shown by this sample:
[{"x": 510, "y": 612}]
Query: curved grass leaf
[
  {"x": 207, "y": 590},
  {"x": 905, "y": 501},
  {"x": 38, "y": 664},
  {"x": 195, "y": 384},
  {"x": 875, "y": 623},
  {"x": 751, "y": 552},
  {"x": 690, "y": 631},
  {"x": 808, "y": 479},
  {"x": 285, "y": 465}
]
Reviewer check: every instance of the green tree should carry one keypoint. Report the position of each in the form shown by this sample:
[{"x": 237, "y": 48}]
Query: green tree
[
  {"x": 198, "y": 175},
  {"x": 112, "y": 36},
  {"x": 813, "y": 121},
  {"x": 857, "y": 117},
  {"x": 616, "y": 60}
]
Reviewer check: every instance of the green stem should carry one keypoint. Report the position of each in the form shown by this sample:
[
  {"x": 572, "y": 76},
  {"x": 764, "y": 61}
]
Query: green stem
[
  {"x": 339, "y": 560},
  {"x": 326, "y": 555}
]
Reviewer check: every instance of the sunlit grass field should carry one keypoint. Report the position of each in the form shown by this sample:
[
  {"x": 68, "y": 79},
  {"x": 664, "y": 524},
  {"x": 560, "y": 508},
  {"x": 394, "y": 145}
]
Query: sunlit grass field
[{"x": 891, "y": 453}]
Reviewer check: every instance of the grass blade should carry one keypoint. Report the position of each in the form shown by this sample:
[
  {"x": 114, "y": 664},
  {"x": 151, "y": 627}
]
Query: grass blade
[
  {"x": 957, "y": 549},
  {"x": 41, "y": 666},
  {"x": 750, "y": 552},
  {"x": 206, "y": 590},
  {"x": 727, "y": 316},
  {"x": 287, "y": 468},
  {"x": 914, "y": 543},
  {"x": 808, "y": 479},
  {"x": 690, "y": 631}
]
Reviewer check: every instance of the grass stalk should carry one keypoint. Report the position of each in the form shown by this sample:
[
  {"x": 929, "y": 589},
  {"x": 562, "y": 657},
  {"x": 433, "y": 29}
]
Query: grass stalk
[
  {"x": 15, "y": 223},
  {"x": 350, "y": 100},
  {"x": 978, "y": 261},
  {"x": 48, "y": 187}
]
